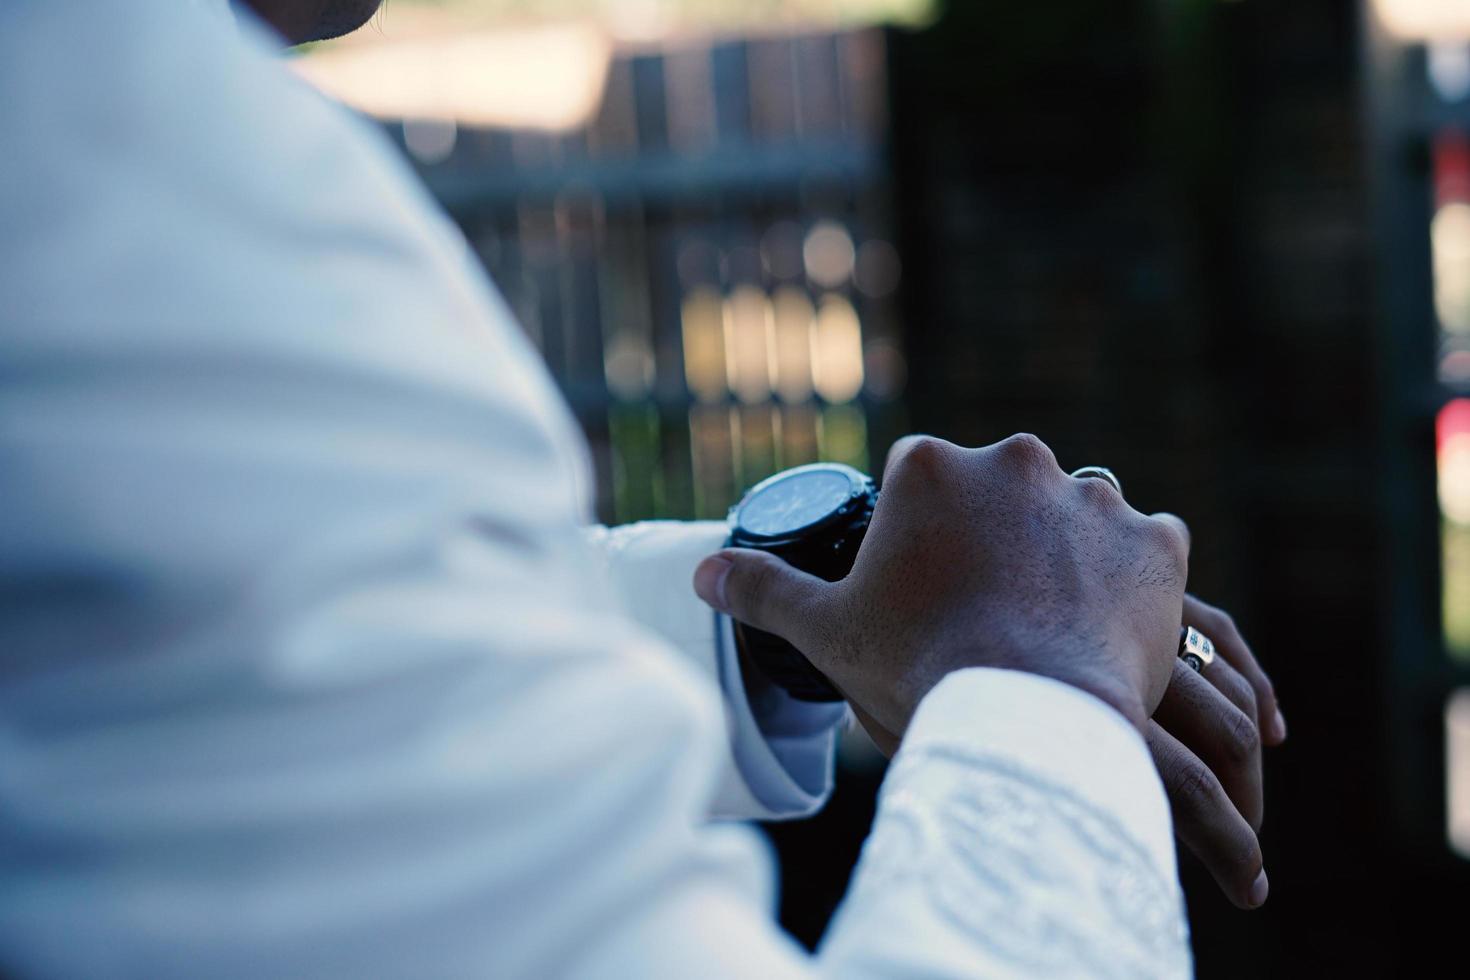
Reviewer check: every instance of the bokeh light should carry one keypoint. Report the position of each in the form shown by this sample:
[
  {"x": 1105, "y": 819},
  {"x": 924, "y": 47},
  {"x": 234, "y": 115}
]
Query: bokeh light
[
  {"x": 795, "y": 319},
  {"x": 1449, "y": 235},
  {"x": 1457, "y": 763},
  {"x": 747, "y": 322},
  {"x": 837, "y": 350},
  {"x": 704, "y": 345},
  {"x": 1452, "y": 437},
  {"x": 1425, "y": 20},
  {"x": 829, "y": 254}
]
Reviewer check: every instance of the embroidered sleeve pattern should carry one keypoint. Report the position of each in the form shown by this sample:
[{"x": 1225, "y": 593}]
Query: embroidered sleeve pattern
[{"x": 1030, "y": 872}]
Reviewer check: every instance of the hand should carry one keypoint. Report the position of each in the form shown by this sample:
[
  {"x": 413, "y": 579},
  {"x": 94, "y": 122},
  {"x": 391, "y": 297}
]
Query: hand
[
  {"x": 1206, "y": 740},
  {"x": 978, "y": 557}
]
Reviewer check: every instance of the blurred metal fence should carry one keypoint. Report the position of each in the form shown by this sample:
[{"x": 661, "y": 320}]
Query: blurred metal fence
[{"x": 706, "y": 265}]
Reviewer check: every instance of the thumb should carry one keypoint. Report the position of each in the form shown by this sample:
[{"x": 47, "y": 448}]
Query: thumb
[{"x": 761, "y": 590}]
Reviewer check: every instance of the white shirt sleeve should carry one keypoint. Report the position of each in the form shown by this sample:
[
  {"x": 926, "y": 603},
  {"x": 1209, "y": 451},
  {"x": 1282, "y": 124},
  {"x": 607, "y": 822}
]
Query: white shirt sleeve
[
  {"x": 306, "y": 666},
  {"x": 1022, "y": 831},
  {"x": 781, "y": 750}
]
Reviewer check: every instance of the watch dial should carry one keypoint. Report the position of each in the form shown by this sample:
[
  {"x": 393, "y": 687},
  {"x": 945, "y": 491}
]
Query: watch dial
[{"x": 796, "y": 502}]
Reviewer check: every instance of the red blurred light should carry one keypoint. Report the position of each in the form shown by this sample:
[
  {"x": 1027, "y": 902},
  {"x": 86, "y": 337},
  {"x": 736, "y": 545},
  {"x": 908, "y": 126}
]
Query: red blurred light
[
  {"x": 1451, "y": 167},
  {"x": 1454, "y": 420}
]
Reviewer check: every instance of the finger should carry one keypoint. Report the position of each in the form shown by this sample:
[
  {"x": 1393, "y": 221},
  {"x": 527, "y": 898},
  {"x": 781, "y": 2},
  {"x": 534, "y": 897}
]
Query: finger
[
  {"x": 1219, "y": 732},
  {"x": 1221, "y": 629},
  {"x": 1176, "y": 522},
  {"x": 763, "y": 591},
  {"x": 1101, "y": 492},
  {"x": 1207, "y": 823},
  {"x": 1223, "y": 677}
]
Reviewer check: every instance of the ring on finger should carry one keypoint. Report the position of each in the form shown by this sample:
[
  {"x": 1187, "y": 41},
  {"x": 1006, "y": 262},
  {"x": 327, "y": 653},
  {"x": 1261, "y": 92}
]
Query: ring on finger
[
  {"x": 1195, "y": 649},
  {"x": 1099, "y": 473}
]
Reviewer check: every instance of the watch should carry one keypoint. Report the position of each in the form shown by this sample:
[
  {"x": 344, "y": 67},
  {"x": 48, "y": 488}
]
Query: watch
[{"x": 813, "y": 517}]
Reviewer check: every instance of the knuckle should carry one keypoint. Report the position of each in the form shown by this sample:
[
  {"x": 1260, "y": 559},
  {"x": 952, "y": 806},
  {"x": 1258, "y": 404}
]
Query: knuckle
[
  {"x": 1177, "y": 523},
  {"x": 921, "y": 447},
  {"x": 1245, "y": 697},
  {"x": 1026, "y": 449},
  {"x": 1242, "y": 738},
  {"x": 916, "y": 455},
  {"x": 1100, "y": 494},
  {"x": 1195, "y": 787},
  {"x": 1168, "y": 540},
  {"x": 1225, "y": 623},
  {"x": 1220, "y": 626}
]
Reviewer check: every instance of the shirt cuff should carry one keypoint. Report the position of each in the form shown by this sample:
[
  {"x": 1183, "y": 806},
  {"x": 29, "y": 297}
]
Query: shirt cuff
[
  {"x": 1056, "y": 733},
  {"x": 784, "y": 748}
]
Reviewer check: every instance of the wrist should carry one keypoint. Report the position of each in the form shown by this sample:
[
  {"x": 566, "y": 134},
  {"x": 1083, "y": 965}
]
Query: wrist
[
  {"x": 1113, "y": 672},
  {"x": 1121, "y": 698},
  {"x": 1111, "y": 679}
]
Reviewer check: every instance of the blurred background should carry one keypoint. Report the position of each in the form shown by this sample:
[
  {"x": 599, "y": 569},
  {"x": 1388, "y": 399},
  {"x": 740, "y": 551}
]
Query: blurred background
[{"x": 1222, "y": 247}]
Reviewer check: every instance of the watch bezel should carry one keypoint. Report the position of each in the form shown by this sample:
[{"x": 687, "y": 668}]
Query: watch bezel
[{"x": 857, "y": 486}]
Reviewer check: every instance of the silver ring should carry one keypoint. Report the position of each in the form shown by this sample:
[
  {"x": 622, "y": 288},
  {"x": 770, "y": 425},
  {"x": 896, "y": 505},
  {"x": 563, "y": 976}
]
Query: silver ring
[
  {"x": 1195, "y": 649},
  {"x": 1100, "y": 473}
]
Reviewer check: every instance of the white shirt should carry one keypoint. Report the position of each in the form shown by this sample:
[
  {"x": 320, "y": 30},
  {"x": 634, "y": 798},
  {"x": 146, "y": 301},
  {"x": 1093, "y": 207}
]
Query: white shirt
[{"x": 309, "y": 665}]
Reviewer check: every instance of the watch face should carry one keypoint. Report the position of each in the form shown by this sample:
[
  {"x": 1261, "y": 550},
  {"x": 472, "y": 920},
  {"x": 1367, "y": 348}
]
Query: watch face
[{"x": 791, "y": 501}]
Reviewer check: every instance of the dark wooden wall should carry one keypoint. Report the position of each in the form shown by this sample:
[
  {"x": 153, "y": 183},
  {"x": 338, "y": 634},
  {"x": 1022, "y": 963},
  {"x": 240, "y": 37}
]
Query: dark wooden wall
[{"x": 1142, "y": 231}]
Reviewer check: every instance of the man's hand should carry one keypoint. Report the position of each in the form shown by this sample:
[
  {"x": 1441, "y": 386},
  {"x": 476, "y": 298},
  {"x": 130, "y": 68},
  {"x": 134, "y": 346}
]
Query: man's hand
[
  {"x": 1006, "y": 515},
  {"x": 1206, "y": 740},
  {"x": 979, "y": 557}
]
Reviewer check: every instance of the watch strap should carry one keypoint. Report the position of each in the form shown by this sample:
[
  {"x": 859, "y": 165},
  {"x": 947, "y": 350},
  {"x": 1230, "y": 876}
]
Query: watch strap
[{"x": 784, "y": 665}]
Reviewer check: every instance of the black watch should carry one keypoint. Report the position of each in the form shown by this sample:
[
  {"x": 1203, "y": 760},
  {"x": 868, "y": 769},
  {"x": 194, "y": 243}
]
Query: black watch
[{"x": 813, "y": 517}]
